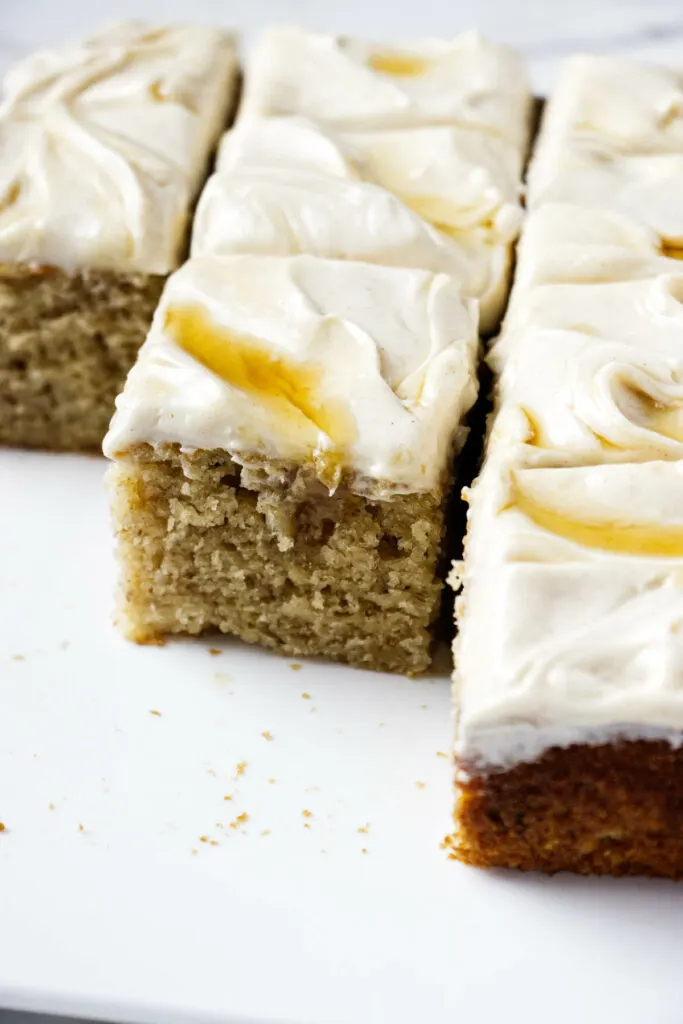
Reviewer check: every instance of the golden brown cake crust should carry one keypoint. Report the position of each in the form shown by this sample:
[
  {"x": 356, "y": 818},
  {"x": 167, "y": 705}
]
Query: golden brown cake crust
[
  {"x": 613, "y": 809},
  {"x": 205, "y": 545},
  {"x": 66, "y": 345}
]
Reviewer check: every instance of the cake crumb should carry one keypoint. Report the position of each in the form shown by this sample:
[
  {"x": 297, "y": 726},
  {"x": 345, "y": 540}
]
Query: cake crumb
[
  {"x": 18, "y": 657},
  {"x": 203, "y": 839},
  {"x": 239, "y": 820},
  {"x": 213, "y": 842},
  {"x": 194, "y": 852},
  {"x": 271, "y": 781},
  {"x": 307, "y": 814},
  {"x": 228, "y": 797},
  {"x": 213, "y": 651},
  {"x": 440, "y": 753},
  {"x": 423, "y": 707},
  {"x": 241, "y": 768},
  {"x": 157, "y": 714},
  {"x": 365, "y": 828},
  {"x": 363, "y": 850},
  {"x": 3, "y": 827},
  {"x": 295, "y": 666},
  {"x": 305, "y": 696},
  {"x": 210, "y": 771},
  {"x": 420, "y": 785},
  {"x": 382, "y": 724},
  {"x": 266, "y": 832},
  {"x": 51, "y": 807},
  {"x": 219, "y": 824},
  {"x": 81, "y": 828},
  {"x": 267, "y": 735}
]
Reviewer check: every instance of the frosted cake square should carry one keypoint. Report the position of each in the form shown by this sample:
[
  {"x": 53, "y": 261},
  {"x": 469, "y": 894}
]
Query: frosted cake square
[
  {"x": 284, "y": 454},
  {"x": 104, "y": 146},
  {"x": 569, "y": 671}
]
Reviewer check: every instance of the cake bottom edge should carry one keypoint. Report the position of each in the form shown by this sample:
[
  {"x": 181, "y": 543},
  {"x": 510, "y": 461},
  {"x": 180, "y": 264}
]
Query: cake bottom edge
[{"x": 609, "y": 809}]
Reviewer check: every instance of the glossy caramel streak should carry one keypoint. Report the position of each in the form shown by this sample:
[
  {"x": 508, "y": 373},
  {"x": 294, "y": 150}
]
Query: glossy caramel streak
[
  {"x": 620, "y": 538},
  {"x": 674, "y": 250},
  {"x": 249, "y": 364},
  {"x": 399, "y": 65},
  {"x": 666, "y": 420}
]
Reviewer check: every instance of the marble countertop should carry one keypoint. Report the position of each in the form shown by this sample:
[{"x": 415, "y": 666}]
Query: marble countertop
[{"x": 544, "y": 30}]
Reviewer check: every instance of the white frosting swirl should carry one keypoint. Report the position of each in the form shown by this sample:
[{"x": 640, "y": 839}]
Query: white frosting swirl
[
  {"x": 105, "y": 144},
  {"x": 351, "y": 85},
  {"x": 612, "y": 140}
]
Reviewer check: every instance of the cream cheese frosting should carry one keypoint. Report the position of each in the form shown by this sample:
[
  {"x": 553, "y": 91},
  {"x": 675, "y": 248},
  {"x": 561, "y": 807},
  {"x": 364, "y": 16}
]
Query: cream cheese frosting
[
  {"x": 565, "y": 244},
  {"x": 456, "y": 178},
  {"x": 612, "y": 139},
  {"x": 632, "y": 311},
  {"x": 104, "y": 143},
  {"x": 571, "y": 630},
  {"x": 413, "y": 198},
  {"x": 283, "y": 212},
  {"x": 353, "y": 85},
  {"x": 302, "y": 360},
  {"x": 566, "y": 398}
]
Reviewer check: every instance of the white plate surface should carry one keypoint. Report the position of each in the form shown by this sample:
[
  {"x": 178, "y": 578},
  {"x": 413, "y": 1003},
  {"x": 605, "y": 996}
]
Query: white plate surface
[{"x": 111, "y": 905}]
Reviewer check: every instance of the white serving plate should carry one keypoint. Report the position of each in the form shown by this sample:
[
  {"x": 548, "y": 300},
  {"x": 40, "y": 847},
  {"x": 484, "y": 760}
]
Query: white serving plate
[{"x": 123, "y": 920}]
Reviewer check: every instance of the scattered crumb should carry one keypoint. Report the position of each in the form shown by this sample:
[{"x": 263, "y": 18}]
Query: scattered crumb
[
  {"x": 307, "y": 824},
  {"x": 381, "y": 724},
  {"x": 219, "y": 824},
  {"x": 227, "y": 797},
  {"x": 365, "y": 828},
  {"x": 213, "y": 651},
  {"x": 18, "y": 657},
  {"x": 305, "y": 696},
  {"x": 210, "y": 771},
  {"x": 266, "y": 832},
  {"x": 3, "y": 827},
  {"x": 267, "y": 735},
  {"x": 81, "y": 828},
  {"x": 223, "y": 677},
  {"x": 35, "y": 755},
  {"x": 239, "y": 820},
  {"x": 313, "y": 709},
  {"x": 423, "y": 707},
  {"x": 307, "y": 814},
  {"x": 440, "y": 753},
  {"x": 271, "y": 781},
  {"x": 420, "y": 785},
  {"x": 157, "y": 714},
  {"x": 194, "y": 852},
  {"x": 213, "y": 842},
  {"x": 295, "y": 666},
  {"x": 203, "y": 839},
  {"x": 51, "y": 807},
  {"x": 363, "y": 850},
  {"x": 241, "y": 768}
]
